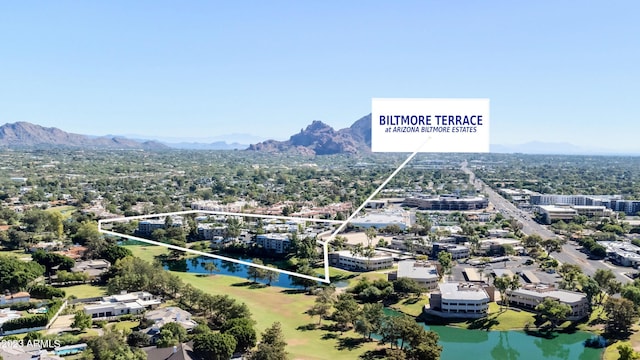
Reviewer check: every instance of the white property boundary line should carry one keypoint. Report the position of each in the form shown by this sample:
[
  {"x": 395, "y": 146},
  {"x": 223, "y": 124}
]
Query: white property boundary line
[
  {"x": 325, "y": 244},
  {"x": 201, "y": 253}
]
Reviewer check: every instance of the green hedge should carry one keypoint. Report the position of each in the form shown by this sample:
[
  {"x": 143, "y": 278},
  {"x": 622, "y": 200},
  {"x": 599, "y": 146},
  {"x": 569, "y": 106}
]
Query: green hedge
[
  {"x": 46, "y": 292},
  {"x": 26, "y": 322}
]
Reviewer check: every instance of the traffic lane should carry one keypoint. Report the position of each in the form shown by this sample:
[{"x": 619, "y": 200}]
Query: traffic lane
[{"x": 572, "y": 255}]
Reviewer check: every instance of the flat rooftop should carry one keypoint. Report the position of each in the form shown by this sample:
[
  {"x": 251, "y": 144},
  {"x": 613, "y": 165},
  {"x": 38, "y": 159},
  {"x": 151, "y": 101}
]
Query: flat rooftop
[
  {"x": 462, "y": 291},
  {"x": 417, "y": 270}
]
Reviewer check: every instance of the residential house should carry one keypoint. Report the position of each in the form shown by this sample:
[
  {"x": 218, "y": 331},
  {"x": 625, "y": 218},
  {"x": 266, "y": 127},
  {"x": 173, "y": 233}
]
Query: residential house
[
  {"x": 126, "y": 303},
  {"x": 18, "y": 297}
]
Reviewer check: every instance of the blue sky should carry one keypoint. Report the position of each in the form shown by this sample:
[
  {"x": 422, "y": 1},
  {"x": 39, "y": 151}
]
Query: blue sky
[{"x": 560, "y": 71}]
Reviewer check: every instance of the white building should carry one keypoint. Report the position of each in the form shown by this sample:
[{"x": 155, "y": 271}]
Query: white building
[
  {"x": 382, "y": 219},
  {"x": 457, "y": 251},
  {"x": 346, "y": 260},
  {"x": 552, "y": 213},
  {"x": 531, "y": 296},
  {"x": 171, "y": 314},
  {"x": 423, "y": 272},
  {"x": 209, "y": 231},
  {"x": 460, "y": 300},
  {"x": 116, "y": 305},
  {"x": 276, "y": 242}
]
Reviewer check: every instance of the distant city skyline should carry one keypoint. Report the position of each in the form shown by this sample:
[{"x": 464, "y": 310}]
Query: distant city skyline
[{"x": 554, "y": 71}]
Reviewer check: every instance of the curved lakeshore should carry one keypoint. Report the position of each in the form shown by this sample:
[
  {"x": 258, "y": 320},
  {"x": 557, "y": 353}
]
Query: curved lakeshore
[{"x": 459, "y": 343}]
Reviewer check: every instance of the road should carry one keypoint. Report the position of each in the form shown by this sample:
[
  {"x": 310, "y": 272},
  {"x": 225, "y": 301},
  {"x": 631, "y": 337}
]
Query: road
[{"x": 570, "y": 252}]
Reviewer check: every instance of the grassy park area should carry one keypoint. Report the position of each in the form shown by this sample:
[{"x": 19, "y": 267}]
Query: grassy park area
[{"x": 270, "y": 304}]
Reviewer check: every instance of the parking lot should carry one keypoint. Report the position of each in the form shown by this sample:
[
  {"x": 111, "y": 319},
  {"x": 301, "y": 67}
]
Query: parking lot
[{"x": 516, "y": 265}]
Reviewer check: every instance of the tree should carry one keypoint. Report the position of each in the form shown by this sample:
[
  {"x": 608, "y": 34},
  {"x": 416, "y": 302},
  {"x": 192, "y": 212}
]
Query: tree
[
  {"x": 346, "y": 311},
  {"x": 626, "y": 352},
  {"x": 214, "y": 346},
  {"x": 254, "y": 272},
  {"x": 81, "y": 320},
  {"x": 631, "y": 293},
  {"x": 553, "y": 311},
  {"x": 306, "y": 283},
  {"x": 371, "y": 233},
  {"x": 245, "y": 336},
  {"x": 137, "y": 339},
  {"x": 323, "y": 303},
  {"x": 211, "y": 267},
  {"x": 446, "y": 261},
  {"x": 406, "y": 286},
  {"x": 112, "y": 345},
  {"x": 171, "y": 334},
  {"x": 272, "y": 346},
  {"x": 621, "y": 315},
  {"x": 502, "y": 284},
  {"x": 113, "y": 253},
  {"x": 370, "y": 320},
  {"x": 50, "y": 260},
  {"x": 271, "y": 276},
  {"x": 87, "y": 231}
]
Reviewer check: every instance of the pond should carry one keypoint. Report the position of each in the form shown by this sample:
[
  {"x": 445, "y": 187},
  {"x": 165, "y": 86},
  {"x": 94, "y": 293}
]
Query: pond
[
  {"x": 196, "y": 265},
  {"x": 458, "y": 344},
  {"x": 511, "y": 345},
  {"x": 462, "y": 344}
]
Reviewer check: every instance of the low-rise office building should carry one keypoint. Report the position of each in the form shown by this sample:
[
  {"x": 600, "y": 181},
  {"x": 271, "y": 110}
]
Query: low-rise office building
[
  {"x": 457, "y": 251},
  {"x": 346, "y": 260},
  {"x": 447, "y": 202},
  {"x": 382, "y": 219},
  {"x": 423, "y": 272},
  {"x": 460, "y": 300},
  {"x": 531, "y": 296}
]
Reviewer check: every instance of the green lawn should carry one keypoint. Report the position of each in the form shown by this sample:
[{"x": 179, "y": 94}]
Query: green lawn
[
  {"x": 611, "y": 352},
  {"x": 270, "y": 304},
  {"x": 85, "y": 291},
  {"x": 125, "y": 326},
  {"x": 411, "y": 306},
  {"x": 65, "y": 211},
  {"x": 20, "y": 254},
  {"x": 498, "y": 320},
  {"x": 147, "y": 252}
]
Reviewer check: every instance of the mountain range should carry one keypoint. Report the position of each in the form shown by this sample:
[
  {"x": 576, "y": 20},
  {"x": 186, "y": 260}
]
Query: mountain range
[
  {"x": 317, "y": 138},
  {"x": 321, "y": 139},
  {"x": 27, "y": 135}
]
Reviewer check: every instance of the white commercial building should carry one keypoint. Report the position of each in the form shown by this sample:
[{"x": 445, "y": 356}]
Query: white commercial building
[
  {"x": 423, "y": 272},
  {"x": 382, "y": 219},
  {"x": 460, "y": 300},
  {"x": 531, "y": 296},
  {"x": 346, "y": 260}
]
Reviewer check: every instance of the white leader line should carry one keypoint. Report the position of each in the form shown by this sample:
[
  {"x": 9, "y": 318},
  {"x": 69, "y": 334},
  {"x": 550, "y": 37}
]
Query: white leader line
[
  {"x": 384, "y": 183},
  {"x": 127, "y": 218}
]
